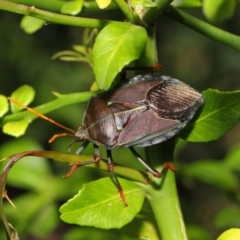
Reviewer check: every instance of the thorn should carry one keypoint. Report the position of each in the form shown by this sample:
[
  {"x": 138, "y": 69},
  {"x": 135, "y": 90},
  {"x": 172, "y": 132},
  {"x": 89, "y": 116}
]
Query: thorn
[
  {"x": 3, "y": 159},
  {"x": 8, "y": 199}
]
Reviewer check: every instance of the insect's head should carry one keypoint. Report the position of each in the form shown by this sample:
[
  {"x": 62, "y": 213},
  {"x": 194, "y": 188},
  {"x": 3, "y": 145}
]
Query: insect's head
[{"x": 81, "y": 134}]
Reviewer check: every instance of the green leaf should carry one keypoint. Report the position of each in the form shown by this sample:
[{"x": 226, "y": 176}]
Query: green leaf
[
  {"x": 16, "y": 128},
  {"x": 232, "y": 160},
  {"x": 210, "y": 172},
  {"x": 231, "y": 234},
  {"x": 4, "y": 107},
  {"x": 220, "y": 113},
  {"x": 187, "y": 3},
  {"x": 72, "y": 7},
  {"x": 30, "y": 24},
  {"x": 24, "y": 94},
  {"x": 219, "y": 10},
  {"x": 98, "y": 204},
  {"x": 116, "y": 45}
]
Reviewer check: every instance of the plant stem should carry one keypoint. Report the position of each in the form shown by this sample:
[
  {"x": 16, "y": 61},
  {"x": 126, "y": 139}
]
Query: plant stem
[
  {"x": 208, "y": 30},
  {"x": 53, "y": 17},
  {"x": 152, "y": 14},
  {"x": 149, "y": 57},
  {"x": 127, "y": 11},
  {"x": 167, "y": 211},
  {"x": 56, "y": 5},
  {"x": 162, "y": 193},
  {"x": 163, "y": 196},
  {"x": 53, "y": 5}
]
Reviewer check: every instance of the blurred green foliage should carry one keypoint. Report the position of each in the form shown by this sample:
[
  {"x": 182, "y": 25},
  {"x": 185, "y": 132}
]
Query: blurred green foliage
[{"x": 208, "y": 177}]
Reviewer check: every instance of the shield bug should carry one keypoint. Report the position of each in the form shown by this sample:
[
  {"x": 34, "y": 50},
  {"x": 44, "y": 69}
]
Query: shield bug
[{"x": 148, "y": 110}]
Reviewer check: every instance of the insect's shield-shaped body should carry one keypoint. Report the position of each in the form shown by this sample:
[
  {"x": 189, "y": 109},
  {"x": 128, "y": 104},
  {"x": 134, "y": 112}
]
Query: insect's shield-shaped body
[{"x": 148, "y": 110}]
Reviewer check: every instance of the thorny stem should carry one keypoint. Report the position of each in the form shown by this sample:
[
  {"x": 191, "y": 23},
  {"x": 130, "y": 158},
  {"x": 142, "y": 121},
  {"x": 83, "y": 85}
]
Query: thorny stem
[{"x": 57, "y": 156}]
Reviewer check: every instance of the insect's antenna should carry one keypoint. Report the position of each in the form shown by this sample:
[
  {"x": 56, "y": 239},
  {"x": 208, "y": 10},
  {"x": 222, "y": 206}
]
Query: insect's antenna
[{"x": 41, "y": 115}]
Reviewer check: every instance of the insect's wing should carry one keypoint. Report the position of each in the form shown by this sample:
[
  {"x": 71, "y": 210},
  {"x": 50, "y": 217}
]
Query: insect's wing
[
  {"x": 173, "y": 99},
  {"x": 148, "y": 129},
  {"x": 171, "y": 104}
]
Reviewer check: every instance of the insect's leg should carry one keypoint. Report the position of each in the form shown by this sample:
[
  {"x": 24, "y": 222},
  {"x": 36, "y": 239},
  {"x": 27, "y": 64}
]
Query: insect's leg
[
  {"x": 146, "y": 68},
  {"x": 78, "y": 152},
  {"x": 114, "y": 176},
  {"x": 59, "y": 135},
  {"x": 150, "y": 169},
  {"x": 154, "y": 68},
  {"x": 82, "y": 147}
]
